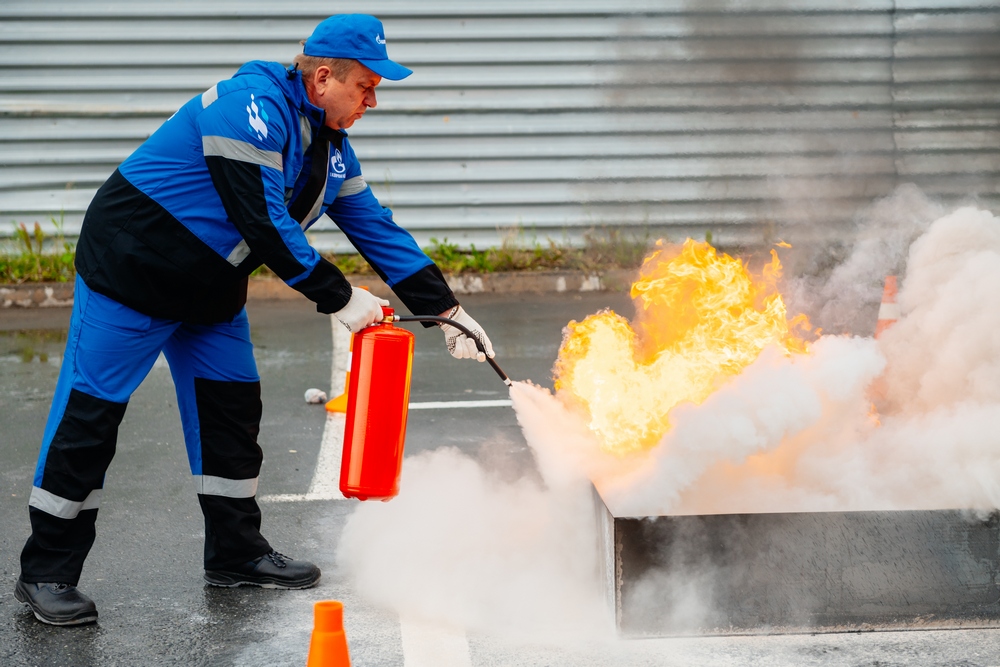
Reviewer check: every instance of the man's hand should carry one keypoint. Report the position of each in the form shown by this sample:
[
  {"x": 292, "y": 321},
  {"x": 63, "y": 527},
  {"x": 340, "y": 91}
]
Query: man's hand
[
  {"x": 363, "y": 309},
  {"x": 461, "y": 346}
]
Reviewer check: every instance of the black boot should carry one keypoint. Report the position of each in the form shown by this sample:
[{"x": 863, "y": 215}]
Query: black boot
[
  {"x": 55, "y": 603},
  {"x": 272, "y": 570}
]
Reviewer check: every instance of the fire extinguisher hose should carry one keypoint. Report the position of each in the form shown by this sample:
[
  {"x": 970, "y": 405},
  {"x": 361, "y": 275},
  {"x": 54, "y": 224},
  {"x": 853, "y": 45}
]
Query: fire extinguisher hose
[{"x": 463, "y": 329}]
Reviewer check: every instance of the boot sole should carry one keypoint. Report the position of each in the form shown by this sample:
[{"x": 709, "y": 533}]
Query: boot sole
[
  {"x": 233, "y": 580},
  {"x": 87, "y": 617}
]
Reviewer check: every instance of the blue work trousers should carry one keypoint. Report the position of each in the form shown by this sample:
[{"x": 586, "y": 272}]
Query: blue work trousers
[{"x": 109, "y": 351}]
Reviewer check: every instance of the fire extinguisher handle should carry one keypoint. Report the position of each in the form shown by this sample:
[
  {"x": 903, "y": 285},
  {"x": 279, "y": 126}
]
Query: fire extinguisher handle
[{"x": 463, "y": 329}]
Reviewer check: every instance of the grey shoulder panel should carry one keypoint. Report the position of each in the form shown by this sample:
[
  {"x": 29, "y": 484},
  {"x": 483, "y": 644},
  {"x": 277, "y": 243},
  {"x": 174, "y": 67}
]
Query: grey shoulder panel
[{"x": 240, "y": 151}]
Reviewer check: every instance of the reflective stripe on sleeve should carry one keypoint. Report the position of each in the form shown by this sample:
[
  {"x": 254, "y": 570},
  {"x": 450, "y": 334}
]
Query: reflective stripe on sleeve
[
  {"x": 209, "y": 96},
  {"x": 52, "y": 504},
  {"x": 209, "y": 485},
  {"x": 352, "y": 186},
  {"x": 239, "y": 253},
  {"x": 307, "y": 133},
  {"x": 240, "y": 151},
  {"x": 316, "y": 209}
]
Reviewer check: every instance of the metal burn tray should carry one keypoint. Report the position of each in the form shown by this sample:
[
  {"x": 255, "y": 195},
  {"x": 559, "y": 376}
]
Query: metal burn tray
[{"x": 800, "y": 572}]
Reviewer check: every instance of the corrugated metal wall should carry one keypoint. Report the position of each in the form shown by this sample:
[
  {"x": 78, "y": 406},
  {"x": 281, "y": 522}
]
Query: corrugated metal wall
[{"x": 554, "y": 116}]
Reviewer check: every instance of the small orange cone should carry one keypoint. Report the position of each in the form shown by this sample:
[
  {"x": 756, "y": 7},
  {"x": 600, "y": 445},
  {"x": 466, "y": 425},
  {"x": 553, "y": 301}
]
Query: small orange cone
[
  {"x": 339, "y": 403},
  {"x": 328, "y": 647},
  {"x": 888, "y": 312}
]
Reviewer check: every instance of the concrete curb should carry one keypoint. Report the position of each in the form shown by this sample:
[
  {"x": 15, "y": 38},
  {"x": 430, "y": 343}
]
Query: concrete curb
[
  {"x": 53, "y": 295},
  {"x": 36, "y": 295}
]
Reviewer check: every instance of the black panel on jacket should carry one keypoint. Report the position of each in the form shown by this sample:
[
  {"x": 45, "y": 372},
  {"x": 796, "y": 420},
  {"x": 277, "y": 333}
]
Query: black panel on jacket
[
  {"x": 426, "y": 292},
  {"x": 242, "y": 191},
  {"x": 314, "y": 170},
  {"x": 327, "y": 286},
  {"x": 132, "y": 250},
  {"x": 241, "y": 188}
]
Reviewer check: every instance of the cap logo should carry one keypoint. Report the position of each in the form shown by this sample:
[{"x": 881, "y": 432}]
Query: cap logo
[
  {"x": 379, "y": 39},
  {"x": 257, "y": 118}
]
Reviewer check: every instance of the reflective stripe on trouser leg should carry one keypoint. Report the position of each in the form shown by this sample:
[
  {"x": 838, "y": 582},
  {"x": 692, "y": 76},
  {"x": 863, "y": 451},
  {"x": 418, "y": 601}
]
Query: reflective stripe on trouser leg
[
  {"x": 218, "y": 392},
  {"x": 109, "y": 350}
]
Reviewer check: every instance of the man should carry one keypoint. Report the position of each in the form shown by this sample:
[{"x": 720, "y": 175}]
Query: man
[{"x": 229, "y": 182}]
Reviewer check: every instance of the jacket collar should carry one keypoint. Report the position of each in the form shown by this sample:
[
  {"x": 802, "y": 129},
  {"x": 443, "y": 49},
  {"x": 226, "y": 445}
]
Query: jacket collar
[
  {"x": 290, "y": 81},
  {"x": 315, "y": 115}
]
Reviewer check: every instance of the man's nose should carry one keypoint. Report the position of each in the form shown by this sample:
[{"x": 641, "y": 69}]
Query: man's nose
[{"x": 370, "y": 100}]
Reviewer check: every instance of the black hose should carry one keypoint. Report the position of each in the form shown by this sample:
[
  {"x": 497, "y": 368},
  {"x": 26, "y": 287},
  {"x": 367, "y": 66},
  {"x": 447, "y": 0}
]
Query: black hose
[{"x": 463, "y": 329}]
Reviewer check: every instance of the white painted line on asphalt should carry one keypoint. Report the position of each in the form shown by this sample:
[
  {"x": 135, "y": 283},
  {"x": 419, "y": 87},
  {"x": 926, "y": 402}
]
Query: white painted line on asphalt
[
  {"x": 445, "y": 405},
  {"x": 325, "y": 483},
  {"x": 427, "y": 645},
  {"x": 326, "y": 478}
]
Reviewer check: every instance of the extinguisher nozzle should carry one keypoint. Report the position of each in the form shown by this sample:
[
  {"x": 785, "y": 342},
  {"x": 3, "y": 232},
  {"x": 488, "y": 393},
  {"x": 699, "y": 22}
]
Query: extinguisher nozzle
[{"x": 496, "y": 367}]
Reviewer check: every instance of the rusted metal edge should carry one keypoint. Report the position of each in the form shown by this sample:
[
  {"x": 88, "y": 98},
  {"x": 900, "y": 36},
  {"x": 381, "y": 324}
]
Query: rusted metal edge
[{"x": 789, "y": 573}]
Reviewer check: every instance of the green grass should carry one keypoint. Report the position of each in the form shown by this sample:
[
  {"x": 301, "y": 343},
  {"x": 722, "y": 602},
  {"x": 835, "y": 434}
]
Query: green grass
[
  {"x": 608, "y": 249},
  {"x": 35, "y": 261},
  {"x": 32, "y": 262}
]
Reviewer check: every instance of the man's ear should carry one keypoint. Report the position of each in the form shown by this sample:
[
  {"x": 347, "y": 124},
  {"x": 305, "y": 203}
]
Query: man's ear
[{"x": 321, "y": 78}]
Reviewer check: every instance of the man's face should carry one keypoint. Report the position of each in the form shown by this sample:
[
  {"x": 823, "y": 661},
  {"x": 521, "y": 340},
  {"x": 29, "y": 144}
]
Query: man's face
[{"x": 344, "y": 102}]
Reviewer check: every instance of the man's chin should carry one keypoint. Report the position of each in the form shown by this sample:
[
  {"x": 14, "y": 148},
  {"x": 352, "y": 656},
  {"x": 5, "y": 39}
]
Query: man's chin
[{"x": 347, "y": 122}]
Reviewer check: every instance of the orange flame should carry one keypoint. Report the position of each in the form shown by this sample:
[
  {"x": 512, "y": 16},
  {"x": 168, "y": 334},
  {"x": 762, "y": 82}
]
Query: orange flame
[{"x": 703, "y": 319}]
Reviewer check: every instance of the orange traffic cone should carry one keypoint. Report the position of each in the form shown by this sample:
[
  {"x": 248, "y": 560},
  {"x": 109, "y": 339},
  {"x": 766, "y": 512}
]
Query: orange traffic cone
[
  {"x": 328, "y": 647},
  {"x": 339, "y": 403},
  {"x": 888, "y": 312}
]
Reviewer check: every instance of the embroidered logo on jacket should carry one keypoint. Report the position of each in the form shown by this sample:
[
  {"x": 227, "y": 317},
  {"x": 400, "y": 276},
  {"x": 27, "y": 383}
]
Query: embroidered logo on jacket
[
  {"x": 337, "y": 164},
  {"x": 257, "y": 118}
]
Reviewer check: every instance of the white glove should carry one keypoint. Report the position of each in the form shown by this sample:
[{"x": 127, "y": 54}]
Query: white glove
[
  {"x": 461, "y": 346},
  {"x": 363, "y": 309}
]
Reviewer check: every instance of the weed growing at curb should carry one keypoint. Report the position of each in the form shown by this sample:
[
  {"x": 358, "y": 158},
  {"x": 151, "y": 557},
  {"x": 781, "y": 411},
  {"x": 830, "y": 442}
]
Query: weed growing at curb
[
  {"x": 32, "y": 262},
  {"x": 35, "y": 260},
  {"x": 608, "y": 249}
]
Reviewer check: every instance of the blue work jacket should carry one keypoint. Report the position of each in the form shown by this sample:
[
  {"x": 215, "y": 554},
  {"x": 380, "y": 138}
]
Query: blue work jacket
[{"x": 227, "y": 184}]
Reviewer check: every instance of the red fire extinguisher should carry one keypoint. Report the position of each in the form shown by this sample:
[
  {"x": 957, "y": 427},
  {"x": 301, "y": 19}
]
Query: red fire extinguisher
[{"x": 377, "y": 404}]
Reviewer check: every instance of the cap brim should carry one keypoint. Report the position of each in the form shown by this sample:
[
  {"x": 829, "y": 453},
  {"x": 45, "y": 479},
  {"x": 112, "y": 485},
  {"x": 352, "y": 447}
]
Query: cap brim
[{"x": 387, "y": 69}]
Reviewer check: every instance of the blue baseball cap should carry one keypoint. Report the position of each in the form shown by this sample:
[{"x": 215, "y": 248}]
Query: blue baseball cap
[{"x": 357, "y": 36}]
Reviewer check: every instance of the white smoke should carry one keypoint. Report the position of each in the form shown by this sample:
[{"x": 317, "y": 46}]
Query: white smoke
[
  {"x": 791, "y": 433},
  {"x": 462, "y": 548},
  {"x": 946, "y": 348},
  {"x": 840, "y": 298}
]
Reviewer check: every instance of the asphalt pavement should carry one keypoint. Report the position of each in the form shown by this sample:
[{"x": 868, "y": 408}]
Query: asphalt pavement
[{"x": 145, "y": 570}]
